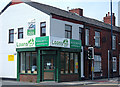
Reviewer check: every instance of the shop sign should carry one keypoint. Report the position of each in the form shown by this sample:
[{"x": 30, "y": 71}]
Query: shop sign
[
  {"x": 25, "y": 43},
  {"x": 42, "y": 41},
  {"x": 31, "y": 28},
  {"x": 48, "y": 41},
  {"x": 10, "y": 57},
  {"x": 59, "y": 42},
  {"x": 75, "y": 44}
]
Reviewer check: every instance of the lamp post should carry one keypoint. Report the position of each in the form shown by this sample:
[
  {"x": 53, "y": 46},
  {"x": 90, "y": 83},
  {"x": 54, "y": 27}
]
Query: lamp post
[{"x": 111, "y": 41}]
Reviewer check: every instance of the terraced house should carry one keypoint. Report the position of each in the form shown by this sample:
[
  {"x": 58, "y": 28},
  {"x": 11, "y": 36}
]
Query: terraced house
[{"x": 45, "y": 43}]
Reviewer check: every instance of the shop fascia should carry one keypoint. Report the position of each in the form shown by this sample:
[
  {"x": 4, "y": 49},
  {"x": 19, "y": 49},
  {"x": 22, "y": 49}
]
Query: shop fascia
[{"x": 48, "y": 41}]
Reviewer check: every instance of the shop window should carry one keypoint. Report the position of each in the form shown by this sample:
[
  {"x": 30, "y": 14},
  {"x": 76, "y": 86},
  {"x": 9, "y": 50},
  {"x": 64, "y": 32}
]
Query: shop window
[
  {"x": 76, "y": 63},
  {"x": 114, "y": 42},
  {"x": 68, "y": 31},
  {"x": 97, "y": 63},
  {"x": 11, "y": 36},
  {"x": 87, "y": 37},
  {"x": 62, "y": 62},
  {"x": 34, "y": 62},
  {"x": 71, "y": 63},
  {"x": 67, "y": 62},
  {"x": 97, "y": 39},
  {"x": 20, "y": 33},
  {"x": 43, "y": 28},
  {"x": 22, "y": 64},
  {"x": 28, "y": 68},
  {"x": 28, "y": 62},
  {"x": 114, "y": 64}
]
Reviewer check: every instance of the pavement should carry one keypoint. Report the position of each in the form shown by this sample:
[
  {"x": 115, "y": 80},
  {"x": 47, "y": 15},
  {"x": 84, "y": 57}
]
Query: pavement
[{"x": 111, "y": 81}]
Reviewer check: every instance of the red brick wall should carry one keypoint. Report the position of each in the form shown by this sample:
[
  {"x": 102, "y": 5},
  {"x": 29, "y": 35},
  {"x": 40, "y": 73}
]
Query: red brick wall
[
  {"x": 28, "y": 78},
  {"x": 69, "y": 77},
  {"x": 107, "y": 19},
  {"x": 105, "y": 44}
]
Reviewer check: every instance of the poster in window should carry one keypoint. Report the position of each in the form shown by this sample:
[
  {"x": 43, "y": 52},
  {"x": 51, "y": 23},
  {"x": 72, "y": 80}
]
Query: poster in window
[{"x": 31, "y": 28}]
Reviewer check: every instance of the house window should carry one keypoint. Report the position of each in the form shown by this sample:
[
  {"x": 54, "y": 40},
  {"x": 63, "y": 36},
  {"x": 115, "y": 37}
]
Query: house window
[
  {"x": 114, "y": 64},
  {"x": 80, "y": 33},
  {"x": 20, "y": 33},
  {"x": 43, "y": 29},
  {"x": 114, "y": 42},
  {"x": 11, "y": 36},
  {"x": 68, "y": 31},
  {"x": 97, "y": 63},
  {"x": 97, "y": 39},
  {"x": 87, "y": 37}
]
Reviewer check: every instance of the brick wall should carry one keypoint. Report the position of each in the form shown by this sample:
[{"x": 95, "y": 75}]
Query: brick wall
[
  {"x": 105, "y": 44},
  {"x": 70, "y": 77},
  {"x": 28, "y": 78}
]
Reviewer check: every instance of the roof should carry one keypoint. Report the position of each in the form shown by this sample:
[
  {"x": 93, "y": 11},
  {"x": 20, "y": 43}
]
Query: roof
[{"x": 53, "y": 10}]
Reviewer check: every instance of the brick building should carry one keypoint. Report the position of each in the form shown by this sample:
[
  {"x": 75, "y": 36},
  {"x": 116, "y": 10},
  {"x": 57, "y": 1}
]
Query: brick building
[{"x": 53, "y": 37}]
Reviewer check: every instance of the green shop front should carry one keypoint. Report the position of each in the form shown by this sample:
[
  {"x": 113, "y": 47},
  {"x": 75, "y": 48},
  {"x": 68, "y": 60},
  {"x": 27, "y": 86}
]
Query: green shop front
[{"x": 48, "y": 59}]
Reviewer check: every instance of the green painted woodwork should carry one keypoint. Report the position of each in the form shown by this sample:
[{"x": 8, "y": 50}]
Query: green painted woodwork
[
  {"x": 18, "y": 66},
  {"x": 58, "y": 68},
  {"x": 38, "y": 66},
  {"x": 25, "y": 49},
  {"x": 48, "y": 52},
  {"x": 43, "y": 59},
  {"x": 79, "y": 66}
]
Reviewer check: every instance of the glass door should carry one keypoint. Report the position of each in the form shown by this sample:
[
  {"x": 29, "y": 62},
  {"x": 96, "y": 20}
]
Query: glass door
[{"x": 48, "y": 68}]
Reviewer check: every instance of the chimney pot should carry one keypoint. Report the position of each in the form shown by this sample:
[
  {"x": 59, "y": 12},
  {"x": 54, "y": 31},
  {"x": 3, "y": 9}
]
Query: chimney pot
[
  {"x": 78, "y": 11},
  {"x": 107, "y": 19}
]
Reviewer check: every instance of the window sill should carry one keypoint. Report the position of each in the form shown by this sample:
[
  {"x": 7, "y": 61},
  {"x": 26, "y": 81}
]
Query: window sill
[
  {"x": 10, "y": 42},
  {"x": 114, "y": 71},
  {"x": 69, "y": 73},
  {"x": 97, "y": 47},
  {"x": 97, "y": 71},
  {"x": 87, "y": 45},
  {"x": 27, "y": 74},
  {"x": 113, "y": 49}
]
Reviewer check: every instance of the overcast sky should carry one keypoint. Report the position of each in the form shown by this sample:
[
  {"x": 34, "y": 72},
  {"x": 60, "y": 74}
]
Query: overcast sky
[{"x": 96, "y": 9}]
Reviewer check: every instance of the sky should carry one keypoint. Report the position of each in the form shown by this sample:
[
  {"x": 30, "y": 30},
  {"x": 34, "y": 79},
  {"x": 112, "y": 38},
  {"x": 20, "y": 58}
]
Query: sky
[{"x": 96, "y": 9}]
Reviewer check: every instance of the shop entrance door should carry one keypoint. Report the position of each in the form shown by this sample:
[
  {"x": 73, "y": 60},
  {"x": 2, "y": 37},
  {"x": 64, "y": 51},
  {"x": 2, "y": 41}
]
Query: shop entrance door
[{"x": 48, "y": 68}]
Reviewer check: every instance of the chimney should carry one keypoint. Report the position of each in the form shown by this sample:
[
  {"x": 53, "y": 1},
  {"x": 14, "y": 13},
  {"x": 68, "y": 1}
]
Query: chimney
[
  {"x": 16, "y": 2},
  {"x": 78, "y": 11},
  {"x": 107, "y": 19}
]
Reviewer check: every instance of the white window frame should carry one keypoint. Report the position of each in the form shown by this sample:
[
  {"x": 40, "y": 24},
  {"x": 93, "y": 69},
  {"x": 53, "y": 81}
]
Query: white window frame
[
  {"x": 97, "y": 59},
  {"x": 97, "y": 36},
  {"x": 114, "y": 42},
  {"x": 114, "y": 64},
  {"x": 87, "y": 37},
  {"x": 80, "y": 33}
]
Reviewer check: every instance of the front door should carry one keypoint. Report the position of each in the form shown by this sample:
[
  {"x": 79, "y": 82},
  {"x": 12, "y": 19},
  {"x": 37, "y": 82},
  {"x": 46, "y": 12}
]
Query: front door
[{"x": 48, "y": 68}]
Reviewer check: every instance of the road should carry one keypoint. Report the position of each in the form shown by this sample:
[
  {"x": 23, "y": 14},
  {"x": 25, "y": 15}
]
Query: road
[
  {"x": 97, "y": 85},
  {"x": 114, "y": 82}
]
